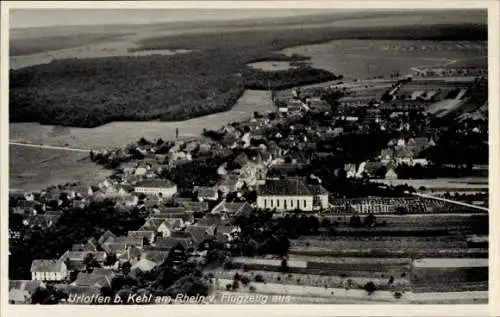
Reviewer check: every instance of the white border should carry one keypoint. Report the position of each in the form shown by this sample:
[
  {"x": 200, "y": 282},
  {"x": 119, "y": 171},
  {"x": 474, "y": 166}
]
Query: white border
[{"x": 492, "y": 309}]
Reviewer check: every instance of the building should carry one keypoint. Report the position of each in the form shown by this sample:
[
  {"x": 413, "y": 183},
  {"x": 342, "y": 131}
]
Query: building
[
  {"x": 160, "y": 187},
  {"x": 285, "y": 194},
  {"x": 206, "y": 193},
  {"x": 232, "y": 208},
  {"x": 48, "y": 270}
]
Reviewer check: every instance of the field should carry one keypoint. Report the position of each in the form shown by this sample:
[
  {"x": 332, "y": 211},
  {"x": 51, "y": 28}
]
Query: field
[
  {"x": 361, "y": 59},
  {"x": 34, "y": 169},
  {"x": 322, "y": 266}
]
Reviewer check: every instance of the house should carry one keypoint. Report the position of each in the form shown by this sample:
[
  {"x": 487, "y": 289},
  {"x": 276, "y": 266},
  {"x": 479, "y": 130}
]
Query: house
[
  {"x": 152, "y": 224},
  {"x": 79, "y": 256},
  {"x": 206, "y": 193},
  {"x": 160, "y": 187},
  {"x": 420, "y": 161},
  {"x": 140, "y": 171},
  {"x": 130, "y": 241},
  {"x": 294, "y": 105},
  {"x": 417, "y": 144},
  {"x": 168, "y": 243},
  {"x": 230, "y": 208},
  {"x": 403, "y": 156},
  {"x": 148, "y": 235},
  {"x": 107, "y": 236},
  {"x": 132, "y": 254},
  {"x": 128, "y": 201},
  {"x": 143, "y": 265},
  {"x": 391, "y": 173},
  {"x": 152, "y": 202},
  {"x": 48, "y": 270},
  {"x": 186, "y": 216},
  {"x": 371, "y": 169},
  {"x": 201, "y": 233},
  {"x": 241, "y": 160},
  {"x": 226, "y": 232},
  {"x": 94, "y": 279},
  {"x": 350, "y": 170},
  {"x": 285, "y": 194},
  {"x": 229, "y": 140},
  {"x": 195, "y": 206},
  {"x": 168, "y": 226},
  {"x": 44, "y": 221},
  {"x": 229, "y": 185},
  {"x": 157, "y": 257},
  {"x": 26, "y": 207},
  {"x": 210, "y": 220},
  {"x": 89, "y": 246},
  {"x": 128, "y": 168},
  {"x": 386, "y": 155}
]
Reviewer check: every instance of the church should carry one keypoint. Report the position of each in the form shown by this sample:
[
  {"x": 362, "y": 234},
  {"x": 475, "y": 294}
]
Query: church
[{"x": 291, "y": 194}]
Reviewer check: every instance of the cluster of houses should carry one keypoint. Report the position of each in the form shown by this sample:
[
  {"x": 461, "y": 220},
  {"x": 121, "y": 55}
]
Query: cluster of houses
[
  {"x": 398, "y": 152},
  {"x": 88, "y": 267}
]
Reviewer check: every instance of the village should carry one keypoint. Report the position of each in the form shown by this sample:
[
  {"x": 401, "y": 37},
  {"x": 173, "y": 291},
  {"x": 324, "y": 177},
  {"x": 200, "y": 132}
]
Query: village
[{"x": 322, "y": 164}]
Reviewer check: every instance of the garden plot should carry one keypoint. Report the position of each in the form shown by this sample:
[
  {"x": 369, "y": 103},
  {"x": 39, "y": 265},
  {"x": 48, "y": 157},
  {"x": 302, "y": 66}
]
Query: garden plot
[{"x": 316, "y": 280}]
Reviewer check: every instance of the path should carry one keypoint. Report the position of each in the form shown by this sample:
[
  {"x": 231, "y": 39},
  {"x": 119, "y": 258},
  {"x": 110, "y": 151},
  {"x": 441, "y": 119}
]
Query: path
[
  {"x": 420, "y": 68},
  {"x": 50, "y": 147},
  {"x": 451, "y": 201}
]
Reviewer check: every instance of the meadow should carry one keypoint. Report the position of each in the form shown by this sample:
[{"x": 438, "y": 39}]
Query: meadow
[{"x": 34, "y": 169}]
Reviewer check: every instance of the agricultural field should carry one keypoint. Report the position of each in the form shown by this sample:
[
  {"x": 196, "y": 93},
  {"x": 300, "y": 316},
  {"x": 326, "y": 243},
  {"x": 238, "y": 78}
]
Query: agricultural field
[
  {"x": 422, "y": 265},
  {"x": 35, "y": 169},
  {"x": 328, "y": 281},
  {"x": 362, "y": 59}
]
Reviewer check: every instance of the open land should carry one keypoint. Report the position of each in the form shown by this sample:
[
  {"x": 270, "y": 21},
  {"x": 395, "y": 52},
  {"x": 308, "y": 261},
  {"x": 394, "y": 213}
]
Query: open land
[{"x": 34, "y": 169}]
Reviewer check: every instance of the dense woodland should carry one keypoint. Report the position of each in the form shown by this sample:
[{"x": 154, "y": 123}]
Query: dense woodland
[{"x": 91, "y": 92}]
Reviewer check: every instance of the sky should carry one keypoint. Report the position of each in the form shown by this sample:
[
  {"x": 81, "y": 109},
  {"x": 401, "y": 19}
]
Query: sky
[{"x": 28, "y": 18}]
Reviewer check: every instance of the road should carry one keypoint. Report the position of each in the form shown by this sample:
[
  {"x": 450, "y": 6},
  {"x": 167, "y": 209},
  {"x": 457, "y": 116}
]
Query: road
[{"x": 50, "y": 147}]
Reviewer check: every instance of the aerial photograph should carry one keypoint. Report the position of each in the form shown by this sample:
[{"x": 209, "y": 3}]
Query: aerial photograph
[{"x": 251, "y": 156}]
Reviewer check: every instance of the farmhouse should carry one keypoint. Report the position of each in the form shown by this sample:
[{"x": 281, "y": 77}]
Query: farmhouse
[
  {"x": 231, "y": 208},
  {"x": 285, "y": 194},
  {"x": 160, "y": 187},
  {"x": 206, "y": 193},
  {"x": 48, "y": 270}
]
